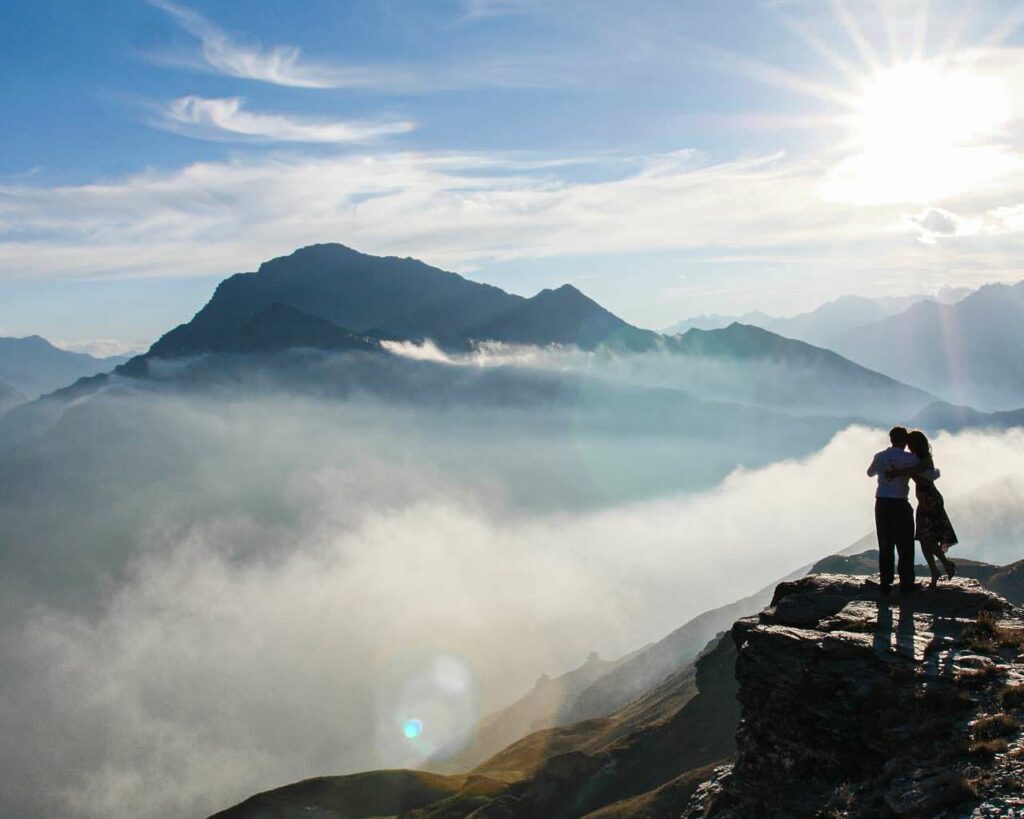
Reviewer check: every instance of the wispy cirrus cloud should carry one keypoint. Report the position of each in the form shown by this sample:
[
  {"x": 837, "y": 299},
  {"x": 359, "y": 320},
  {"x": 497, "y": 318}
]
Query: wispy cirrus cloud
[
  {"x": 278, "y": 64},
  {"x": 227, "y": 119},
  {"x": 479, "y": 9},
  {"x": 285, "y": 65}
]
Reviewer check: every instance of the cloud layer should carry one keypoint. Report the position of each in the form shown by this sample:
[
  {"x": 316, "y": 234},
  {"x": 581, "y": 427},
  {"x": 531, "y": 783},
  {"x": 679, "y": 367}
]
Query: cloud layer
[
  {"x": 448, "y": 208},
  {"x": 296, "y": 579}
]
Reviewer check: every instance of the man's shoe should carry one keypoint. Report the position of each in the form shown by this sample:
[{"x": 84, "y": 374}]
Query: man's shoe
[
  {"x": 884, "y": 591},
  {"x": 908, "y": 589}
]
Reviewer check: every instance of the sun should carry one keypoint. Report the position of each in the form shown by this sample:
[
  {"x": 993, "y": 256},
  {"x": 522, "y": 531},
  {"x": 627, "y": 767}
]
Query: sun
[
  {"x": 914, "y": 115},
  {"x": 916, "y": 106},
  {"x": 922, "y": 131}
]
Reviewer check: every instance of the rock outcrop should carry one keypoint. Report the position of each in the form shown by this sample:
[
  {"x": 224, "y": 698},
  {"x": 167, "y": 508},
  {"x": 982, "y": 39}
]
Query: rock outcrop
[{"x": 857, "y": 706}]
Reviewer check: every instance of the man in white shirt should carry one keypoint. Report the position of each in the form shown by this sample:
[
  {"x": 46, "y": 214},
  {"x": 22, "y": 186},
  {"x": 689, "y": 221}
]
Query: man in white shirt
[{"x": 894, "y": 517}]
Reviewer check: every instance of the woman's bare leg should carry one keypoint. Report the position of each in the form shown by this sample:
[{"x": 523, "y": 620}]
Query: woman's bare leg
[
  {"x": 929, "y": 550},
  {"x": 947, "y": 564}
]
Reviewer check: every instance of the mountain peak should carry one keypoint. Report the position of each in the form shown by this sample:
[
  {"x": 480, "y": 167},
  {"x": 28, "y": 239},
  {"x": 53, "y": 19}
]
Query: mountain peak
[
  {"x": 564, "y": 315},
  {"x": 395, "y": 298},
  {"x": 30, "y": 342},
  {"x": 566, "y": 295},
  {"x": 564, "y": 290},
  {"x": 34, "y": 366},
  {"x": 736, "y": 339},
  {"x": 321, "y": 252}
]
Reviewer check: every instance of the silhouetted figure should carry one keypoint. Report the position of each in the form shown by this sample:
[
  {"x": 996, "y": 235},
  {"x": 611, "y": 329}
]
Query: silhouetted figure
[
  {"x": 894, "y": 518},
  {"x": 934, "y": 530}
]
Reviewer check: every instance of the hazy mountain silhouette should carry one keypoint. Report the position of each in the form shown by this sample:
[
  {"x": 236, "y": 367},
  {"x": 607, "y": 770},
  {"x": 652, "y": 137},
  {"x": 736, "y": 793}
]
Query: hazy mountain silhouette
[
  {"x": 281, "y": 327},
  {"x": 332, "y": 297},
  {"x": 971, "y": 352},
  {"x": 823, "y": 324},
  {"x": 539, "y": 708},
  {"x": 651, "y": 665},
  {"x": 749, "y": 364},
  {"x": 666, "y": 737},
  {"x": 716, "y": 321},
  {"x": 563, "y": 316},
  {"x": 401, "y": 298},
  {"x": 10, "y": 397},
  {"x": 941, "y": 416},
  {"x": 34, "y": 367},
  {"x": 386, "y": 297}
]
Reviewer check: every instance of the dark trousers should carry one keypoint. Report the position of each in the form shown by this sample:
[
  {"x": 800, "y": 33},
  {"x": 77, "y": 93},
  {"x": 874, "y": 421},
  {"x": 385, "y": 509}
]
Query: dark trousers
[{"x": 894, "y": 523}]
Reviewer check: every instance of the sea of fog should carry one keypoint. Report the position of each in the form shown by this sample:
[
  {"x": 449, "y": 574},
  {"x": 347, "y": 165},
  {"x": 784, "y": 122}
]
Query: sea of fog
[{"x": 207, "y": 595}]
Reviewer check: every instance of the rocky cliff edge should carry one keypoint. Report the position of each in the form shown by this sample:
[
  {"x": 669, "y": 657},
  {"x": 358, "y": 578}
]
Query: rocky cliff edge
[{"x": 854, "y": 705}]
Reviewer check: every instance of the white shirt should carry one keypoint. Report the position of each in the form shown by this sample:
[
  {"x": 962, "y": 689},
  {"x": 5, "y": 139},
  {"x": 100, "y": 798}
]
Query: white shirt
[{"x": 895, "y": 458}]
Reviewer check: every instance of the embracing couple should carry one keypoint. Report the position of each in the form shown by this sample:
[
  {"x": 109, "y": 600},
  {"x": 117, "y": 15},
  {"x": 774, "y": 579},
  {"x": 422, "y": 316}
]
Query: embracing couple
[{"x": 894, "y": 519}]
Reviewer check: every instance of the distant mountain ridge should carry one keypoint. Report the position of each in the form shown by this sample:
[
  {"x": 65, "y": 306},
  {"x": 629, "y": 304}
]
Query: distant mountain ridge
[
  {"x": 941, "y": 416},
  {"x": 33, "y": 366},
  {"x": 970, "y": 352},
  {"x": 10, "y": 397},
  {"x": 332, "y": 297},
  {"x": 823, "y": 324},
  {"x": 564, "y": 316},
  {"x": 779, "y": 372}
]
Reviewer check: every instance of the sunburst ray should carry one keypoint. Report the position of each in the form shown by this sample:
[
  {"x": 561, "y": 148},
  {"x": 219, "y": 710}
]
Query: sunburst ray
[{"x": 853, "y": 31}]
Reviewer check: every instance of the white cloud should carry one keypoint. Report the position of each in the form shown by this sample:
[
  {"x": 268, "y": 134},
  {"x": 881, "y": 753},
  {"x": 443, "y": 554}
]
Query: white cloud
[
  {"x": 226, "y": 118},
  {"x": 450, "y": 209},
  {"x": 285, "y": 65},
  {"x": 279, "y": 65},
  {"x": 1007, "y": 219},
  {"x": 934, "y": 225},
  {"x": 481, "y": 9},
  {"x": 104, "y": 347},
  {"x": 463, "y": 210}
]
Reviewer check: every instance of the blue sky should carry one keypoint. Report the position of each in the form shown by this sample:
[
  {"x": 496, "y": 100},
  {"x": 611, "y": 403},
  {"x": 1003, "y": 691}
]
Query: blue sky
[{"x": 669, "y": 158}]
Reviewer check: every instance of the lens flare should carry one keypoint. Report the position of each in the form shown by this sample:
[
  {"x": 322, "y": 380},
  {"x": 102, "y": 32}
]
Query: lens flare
[{"x": 427, "y": 706}]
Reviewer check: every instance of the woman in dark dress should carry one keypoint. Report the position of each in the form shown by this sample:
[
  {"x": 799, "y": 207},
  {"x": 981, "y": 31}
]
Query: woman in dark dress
[{"x": 934, "y": 530}]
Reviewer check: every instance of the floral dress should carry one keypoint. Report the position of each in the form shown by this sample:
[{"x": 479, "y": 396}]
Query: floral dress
[{"x": 933, "y": 524}]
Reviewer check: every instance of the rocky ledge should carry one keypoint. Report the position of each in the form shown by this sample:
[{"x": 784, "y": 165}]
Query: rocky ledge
[{"x": 856, "y": 706}]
